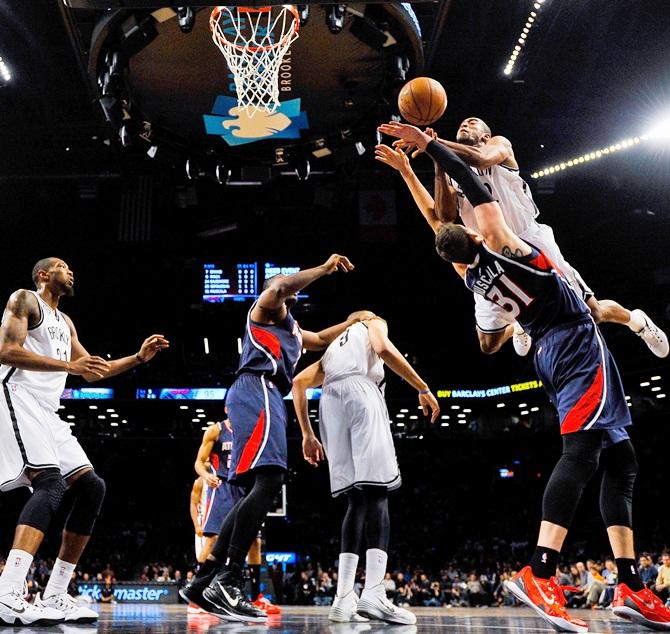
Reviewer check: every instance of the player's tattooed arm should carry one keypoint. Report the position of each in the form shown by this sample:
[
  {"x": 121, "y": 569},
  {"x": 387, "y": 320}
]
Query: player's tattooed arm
[
  {"x": 508, "y": 252},
  {"x": 23, "y": 312}
]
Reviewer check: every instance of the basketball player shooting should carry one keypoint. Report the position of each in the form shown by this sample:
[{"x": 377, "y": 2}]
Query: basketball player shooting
[
  {"x": 581, "y": 379},
  {"x": 356, "y": 433},
  {"x": 492, "y": 158},
  {"x": 39, "y": 347},
  {"x": 272, "y": 345}
]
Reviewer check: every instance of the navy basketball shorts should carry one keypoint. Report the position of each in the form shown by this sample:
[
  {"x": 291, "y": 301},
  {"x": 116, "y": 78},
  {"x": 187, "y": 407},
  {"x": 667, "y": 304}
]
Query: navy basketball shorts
[
  {"x": 582, "y": 380},
  {"x": 258, "y": 416},
  {"x": 220, "y": 501}
]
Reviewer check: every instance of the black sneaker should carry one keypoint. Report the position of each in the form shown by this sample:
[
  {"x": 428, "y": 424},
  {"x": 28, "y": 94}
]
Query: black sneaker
[
  {"x": 228, "y": 601},
  {"x": 192, "y": 592}
]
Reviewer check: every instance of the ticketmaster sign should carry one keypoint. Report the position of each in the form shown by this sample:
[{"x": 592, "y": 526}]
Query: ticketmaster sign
[{"x": 133, "y": 592}]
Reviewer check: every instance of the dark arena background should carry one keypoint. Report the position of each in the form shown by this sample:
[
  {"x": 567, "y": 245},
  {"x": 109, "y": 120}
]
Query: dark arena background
[{"x": 107, "y": 162}]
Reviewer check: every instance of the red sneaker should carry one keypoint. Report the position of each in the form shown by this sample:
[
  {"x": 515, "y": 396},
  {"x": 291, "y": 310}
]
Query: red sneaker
[
  {"x": 267, "y": 607},
  {"x": 546, "y": 598},
  {"x": 642, "y": 607}
]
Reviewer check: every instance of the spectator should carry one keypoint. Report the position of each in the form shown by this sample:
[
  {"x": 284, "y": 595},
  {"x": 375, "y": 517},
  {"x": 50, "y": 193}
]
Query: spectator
[
  {"x": 475, "y": 592},
  {"x": 610, "y": 575},
  {"x": 389, "y": 586},
  {"x": 107, "y": 593},
  {"x": 597, "y": 585},
  {"x": 647, "y": 571},
  {"x": 662, "y": 585}
]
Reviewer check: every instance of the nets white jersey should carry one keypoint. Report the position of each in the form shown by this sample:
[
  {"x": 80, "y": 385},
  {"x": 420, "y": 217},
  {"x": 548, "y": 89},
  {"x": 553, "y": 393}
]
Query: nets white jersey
[
  {"x": 50, "y": 337},
  {"x": 351, "y": 354},
  {"x": 512, "y": 193}
]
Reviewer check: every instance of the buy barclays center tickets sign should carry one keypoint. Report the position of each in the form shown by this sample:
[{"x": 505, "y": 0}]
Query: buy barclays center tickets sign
[{"x": 133, "y": 592}]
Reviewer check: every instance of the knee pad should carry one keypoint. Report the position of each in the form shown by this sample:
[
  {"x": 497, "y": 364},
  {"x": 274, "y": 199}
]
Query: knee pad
[
  {"x": 89, "y": 491},
  {"x": 48, "y": 490}
]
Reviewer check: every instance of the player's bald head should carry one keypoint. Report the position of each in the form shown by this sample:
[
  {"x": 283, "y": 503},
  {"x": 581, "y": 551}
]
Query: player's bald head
[{"x": 42, "y": 265}]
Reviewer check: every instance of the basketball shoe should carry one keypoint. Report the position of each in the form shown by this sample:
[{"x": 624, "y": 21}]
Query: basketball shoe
[
  {"x": 642, "y": 607},
  {"x": 652, "y": 335},
  {"x": 263, "y": 604},
  {"x": 343, "y": 609},
  {"x": 192, "y": 592},
  {"x": 546, "y": 598},
  {"x": 15, "y": 610},
  {"x": 521, "y": 340},
  {"x": 227, "y": 600},
  {"x": 373, "y": 604},
  {"x": 66, "y": 604}
]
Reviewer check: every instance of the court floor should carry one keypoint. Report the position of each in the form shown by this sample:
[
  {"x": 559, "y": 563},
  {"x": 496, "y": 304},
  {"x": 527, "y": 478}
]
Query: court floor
[{"x": 173, "y": 619}]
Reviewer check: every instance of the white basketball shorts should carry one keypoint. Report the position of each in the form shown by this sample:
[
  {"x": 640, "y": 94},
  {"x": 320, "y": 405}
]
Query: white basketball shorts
[
  {"x": 356, "y": 435},
  {"x": 33, "y": 437},
  {"x": 492, "y": 318}
]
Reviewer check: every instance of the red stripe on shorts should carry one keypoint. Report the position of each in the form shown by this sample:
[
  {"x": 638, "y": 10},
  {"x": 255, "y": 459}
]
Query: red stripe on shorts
[
  {"x": 583, "y": 409},
  {"x": 252, "y": 445}
]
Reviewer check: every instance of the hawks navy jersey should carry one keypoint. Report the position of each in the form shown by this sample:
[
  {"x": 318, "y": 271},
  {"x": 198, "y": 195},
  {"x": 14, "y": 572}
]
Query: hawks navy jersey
[
  {"x": 272, "y": 350},
  {"x": 220, "y": 456},
  {"x": 529, "y": 287}
]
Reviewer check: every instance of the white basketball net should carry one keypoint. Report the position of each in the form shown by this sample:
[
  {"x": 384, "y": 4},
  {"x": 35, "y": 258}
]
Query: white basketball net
[{"x": 254, "y": 42}]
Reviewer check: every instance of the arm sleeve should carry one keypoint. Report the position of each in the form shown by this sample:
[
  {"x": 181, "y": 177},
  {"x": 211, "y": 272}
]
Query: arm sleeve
[{"x": 472, "y": 187}]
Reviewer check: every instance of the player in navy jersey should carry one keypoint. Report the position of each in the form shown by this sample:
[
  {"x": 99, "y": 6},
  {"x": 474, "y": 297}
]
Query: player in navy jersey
[
  {"x": 581, "y": 379},
  {"x": 272, "y": 345}
]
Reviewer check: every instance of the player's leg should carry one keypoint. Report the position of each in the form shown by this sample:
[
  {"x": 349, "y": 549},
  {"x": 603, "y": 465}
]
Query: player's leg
[
  {"x": 208, "y": 544},
  {"x": 533, "y": 585},
  {"x": 632, "y": 601},
  {"x": 86, "y": 492},
  {"x": 491, "y": 342},
  {"x": 226, "y": 590},
  {"x": 607, "y": 310},
  {"x": 494, "y": 326},
  {"x": 25, "y": 440},
  {"x": 255, "y": 561}
]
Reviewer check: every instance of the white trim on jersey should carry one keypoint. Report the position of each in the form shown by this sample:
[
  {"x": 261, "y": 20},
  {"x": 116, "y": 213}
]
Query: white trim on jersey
[
  {"x": 603, "y": 400},
  {"x": 523, "y": 266},
  {"x": 266, "y": 435},
  {"x": 258, "y": 345}
]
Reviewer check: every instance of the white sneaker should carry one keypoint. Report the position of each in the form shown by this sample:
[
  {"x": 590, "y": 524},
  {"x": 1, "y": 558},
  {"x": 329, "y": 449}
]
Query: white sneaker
[
  {"x": 521, "y": 341},
  {"x": 652, "y": 335},
  {"x": 373, "y": 604},
  {"x": 343, "y": 609},
  {"x": 15, "y": 610},
  {"x": 74, "y": 613}
]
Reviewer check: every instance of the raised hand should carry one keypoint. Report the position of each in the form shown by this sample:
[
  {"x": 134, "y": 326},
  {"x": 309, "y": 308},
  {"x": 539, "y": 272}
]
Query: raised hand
[
  {"x": 89, "y": 365},
  {"x": 151, "y": 346},
  {"x": 337, "y": 262},
  {"x": 394, "y": 158},
  {"x": 408, "y": 133}
]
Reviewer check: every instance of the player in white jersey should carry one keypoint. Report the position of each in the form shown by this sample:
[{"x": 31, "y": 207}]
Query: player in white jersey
[
  {"x": 355, "y": 430},
  {"x": 492, "y": 158},
  {"x": 38, "y": 349},
  {"x": 198, "y": 510}
]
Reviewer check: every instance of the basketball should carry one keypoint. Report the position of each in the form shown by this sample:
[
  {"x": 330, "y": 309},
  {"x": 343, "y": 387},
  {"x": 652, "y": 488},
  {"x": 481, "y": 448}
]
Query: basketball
[{"x": 422, "y": 101}]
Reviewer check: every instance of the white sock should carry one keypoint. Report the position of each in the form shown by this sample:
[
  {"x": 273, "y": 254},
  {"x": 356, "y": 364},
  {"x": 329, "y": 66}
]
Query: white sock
[
  {"x": 636, "y": 321},
  {"x": 375, "y": 567},
  {"x": 15, "y": 571},
  {"x": 346, "y": 573},
  {"x": 60, "y": 578}
]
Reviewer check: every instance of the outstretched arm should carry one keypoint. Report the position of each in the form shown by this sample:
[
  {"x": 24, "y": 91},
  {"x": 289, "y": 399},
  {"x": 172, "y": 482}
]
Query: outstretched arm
[
  {"x": 148, "y": 350},
  {"x": 311, "y": 376},
  {"x": 281, "y": 287},
  {"x": 391, "y": 356},
  {"x": 498, "y": 150},
  {"x": 323, "y": 338},
  {"x": 23, "y": 310}
]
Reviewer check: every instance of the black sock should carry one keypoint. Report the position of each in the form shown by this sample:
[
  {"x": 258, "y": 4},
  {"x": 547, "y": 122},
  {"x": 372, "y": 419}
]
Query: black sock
[
  {"x": 628, "y": 574},
  {"x": 544, "y": 562},
  {"x": 207, "y": 569},
  {"x": 255, "y": 571}
]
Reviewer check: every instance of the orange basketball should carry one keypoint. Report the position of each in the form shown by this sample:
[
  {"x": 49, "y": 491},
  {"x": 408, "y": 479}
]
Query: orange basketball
[{"x": 422, "y": 101}]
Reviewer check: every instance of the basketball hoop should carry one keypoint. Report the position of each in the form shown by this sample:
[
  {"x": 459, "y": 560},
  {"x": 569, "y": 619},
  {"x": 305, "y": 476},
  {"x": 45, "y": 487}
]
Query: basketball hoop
[{"x": 254, "y": 42}]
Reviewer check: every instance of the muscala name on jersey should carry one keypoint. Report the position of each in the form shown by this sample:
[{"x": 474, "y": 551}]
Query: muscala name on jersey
[
  {"x": 487, "y": 278},
  {"x": 59, "y": 334}
]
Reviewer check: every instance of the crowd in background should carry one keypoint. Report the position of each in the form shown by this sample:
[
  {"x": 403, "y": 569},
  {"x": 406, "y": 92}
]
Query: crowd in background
[{"x": 589, "y": 584}]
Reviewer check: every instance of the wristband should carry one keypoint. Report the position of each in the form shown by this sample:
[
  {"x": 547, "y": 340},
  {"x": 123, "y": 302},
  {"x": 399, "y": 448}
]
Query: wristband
[
  {"x": 426, "y": 391},
  {"x": 139, "y": 358}
]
